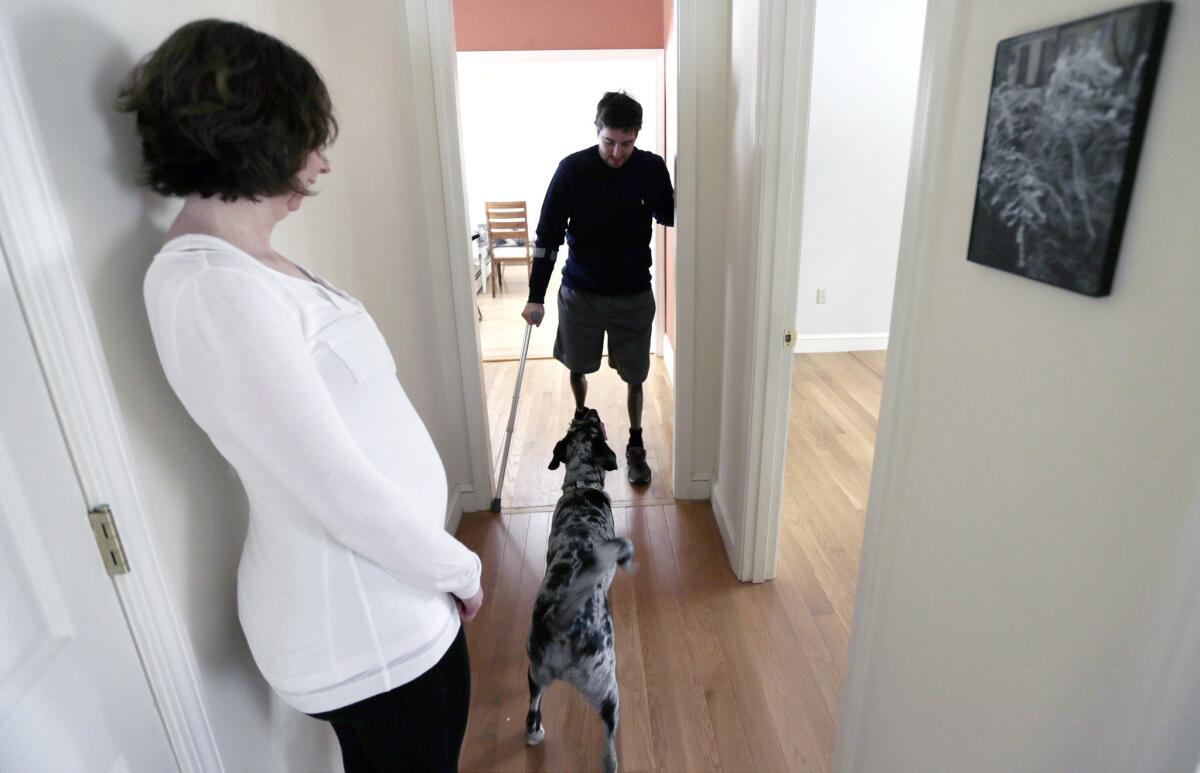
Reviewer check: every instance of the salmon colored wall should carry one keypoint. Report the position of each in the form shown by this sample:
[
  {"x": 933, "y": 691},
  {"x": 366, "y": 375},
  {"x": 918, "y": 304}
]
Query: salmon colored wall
[{"x": 547, "y": 25}]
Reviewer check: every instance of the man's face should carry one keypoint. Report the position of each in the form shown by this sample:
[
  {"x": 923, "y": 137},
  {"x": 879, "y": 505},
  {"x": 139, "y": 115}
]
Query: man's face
[{"x": 616, "y": 146}]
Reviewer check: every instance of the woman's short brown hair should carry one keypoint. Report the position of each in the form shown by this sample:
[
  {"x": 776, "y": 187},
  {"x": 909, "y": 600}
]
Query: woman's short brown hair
[{"x": 225, "y": 110}]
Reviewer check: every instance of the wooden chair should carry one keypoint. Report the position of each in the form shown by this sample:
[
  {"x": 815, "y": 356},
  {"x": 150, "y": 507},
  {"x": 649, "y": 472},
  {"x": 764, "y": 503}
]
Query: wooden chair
[{"x": 507, "y": 221}]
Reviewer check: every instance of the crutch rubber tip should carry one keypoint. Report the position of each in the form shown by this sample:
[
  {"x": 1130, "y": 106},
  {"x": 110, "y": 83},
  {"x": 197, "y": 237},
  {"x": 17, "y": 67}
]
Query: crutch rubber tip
[{"x": 496, "y": 505}]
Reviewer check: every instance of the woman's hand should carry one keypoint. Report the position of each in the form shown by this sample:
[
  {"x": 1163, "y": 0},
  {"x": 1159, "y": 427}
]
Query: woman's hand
[{"x": 468, "y": 608}]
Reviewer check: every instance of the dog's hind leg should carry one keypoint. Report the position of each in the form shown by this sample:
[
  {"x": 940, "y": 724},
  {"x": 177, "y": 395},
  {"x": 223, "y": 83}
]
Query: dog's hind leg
[
  {"x": 534, "y": 732},
  {"x": 609, "y": 709}
]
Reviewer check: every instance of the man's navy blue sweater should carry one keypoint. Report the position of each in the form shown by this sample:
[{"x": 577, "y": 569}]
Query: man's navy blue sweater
[{"x": 604, "y": 213}]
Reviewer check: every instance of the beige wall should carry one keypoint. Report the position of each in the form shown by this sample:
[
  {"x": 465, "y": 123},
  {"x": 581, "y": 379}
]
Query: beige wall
[
  {"x": 1029, "y": 596},
  {"x": 366, "y": 232}
]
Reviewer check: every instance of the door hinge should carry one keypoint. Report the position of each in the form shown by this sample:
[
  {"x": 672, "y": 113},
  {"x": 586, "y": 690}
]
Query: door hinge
[
  {"x": 789, "y": 337},
  {"x": 108, "y": 540}
]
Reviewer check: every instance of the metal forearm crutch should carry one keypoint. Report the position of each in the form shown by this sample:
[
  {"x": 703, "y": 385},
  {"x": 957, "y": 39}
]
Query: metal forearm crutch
[{"x": 512, "y": 414}]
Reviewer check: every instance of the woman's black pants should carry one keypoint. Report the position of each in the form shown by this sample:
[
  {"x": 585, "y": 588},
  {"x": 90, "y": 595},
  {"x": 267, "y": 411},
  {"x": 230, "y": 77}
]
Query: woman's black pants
[{"x": 416, "y": 727}]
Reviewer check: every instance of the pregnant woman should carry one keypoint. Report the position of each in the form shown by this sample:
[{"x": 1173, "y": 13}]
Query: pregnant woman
[{"x": 350, "y": 592}]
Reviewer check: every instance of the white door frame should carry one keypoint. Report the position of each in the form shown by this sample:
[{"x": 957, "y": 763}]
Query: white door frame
[
  {"x": 430, "y": 32},
  {"x": 41, "y": 259},
  {"x": 684, "y": 318}
]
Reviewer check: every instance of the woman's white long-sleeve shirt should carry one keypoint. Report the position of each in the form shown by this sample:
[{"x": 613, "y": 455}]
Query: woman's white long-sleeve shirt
[{"x": 345, "y": 580}]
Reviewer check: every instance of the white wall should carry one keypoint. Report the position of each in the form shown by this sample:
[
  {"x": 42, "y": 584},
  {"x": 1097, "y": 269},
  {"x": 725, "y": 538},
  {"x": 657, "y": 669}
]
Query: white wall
[
  {"x": 366, "y": 231},
  {"x": 513, "y": 140},
  {"x": 1029, "y": 596},
  {"x": 866, "y": 57}
]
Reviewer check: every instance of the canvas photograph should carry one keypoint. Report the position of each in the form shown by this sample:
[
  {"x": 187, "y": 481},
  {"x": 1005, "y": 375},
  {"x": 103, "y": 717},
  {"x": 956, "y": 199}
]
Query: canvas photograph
[{"x": 1066, "y": 114}]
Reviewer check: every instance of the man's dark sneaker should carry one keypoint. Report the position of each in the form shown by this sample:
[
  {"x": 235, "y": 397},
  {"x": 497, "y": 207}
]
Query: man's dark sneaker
[{"x": 635, "y": 462}]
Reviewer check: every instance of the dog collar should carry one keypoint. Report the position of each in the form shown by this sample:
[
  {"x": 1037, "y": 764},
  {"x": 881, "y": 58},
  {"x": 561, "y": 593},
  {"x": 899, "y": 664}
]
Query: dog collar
[{"x": 580, "y": 484}]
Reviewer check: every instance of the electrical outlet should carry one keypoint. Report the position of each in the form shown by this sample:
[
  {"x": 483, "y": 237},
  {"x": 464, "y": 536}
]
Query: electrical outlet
[{"x": 820, "y": 295}]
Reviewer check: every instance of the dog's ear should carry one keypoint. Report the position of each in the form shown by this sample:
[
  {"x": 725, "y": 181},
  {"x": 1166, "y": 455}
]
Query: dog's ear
[
  {"x": 560, "y": 450},
  {"x": 603, "y": 454}
]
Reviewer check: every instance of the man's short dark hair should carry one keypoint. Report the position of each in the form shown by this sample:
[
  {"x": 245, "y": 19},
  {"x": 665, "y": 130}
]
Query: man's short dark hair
[
  {"x": 225, "y": 110},
  {"x": 618, "y": 110}
]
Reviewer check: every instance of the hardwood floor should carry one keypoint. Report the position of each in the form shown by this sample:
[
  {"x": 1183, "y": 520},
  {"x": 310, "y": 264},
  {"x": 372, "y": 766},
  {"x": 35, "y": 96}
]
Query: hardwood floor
[
  {"x": 544, "y": 414},
  {"x": 715, "y": 674}
]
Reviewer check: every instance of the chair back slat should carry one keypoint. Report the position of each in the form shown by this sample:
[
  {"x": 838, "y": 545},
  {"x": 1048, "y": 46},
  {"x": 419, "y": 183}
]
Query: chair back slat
[{"x": 507, "y": 221}]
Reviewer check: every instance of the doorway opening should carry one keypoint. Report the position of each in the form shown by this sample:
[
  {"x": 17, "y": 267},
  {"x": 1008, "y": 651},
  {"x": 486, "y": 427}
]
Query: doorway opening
[
  {"x": 520, "y": 113},
  {"x": 858, "y": 145}
]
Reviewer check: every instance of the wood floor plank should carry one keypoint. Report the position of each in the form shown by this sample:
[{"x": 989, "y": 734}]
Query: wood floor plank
[
  {"x": 873, "y": 361},
  {"x": 800, "y": 570},
  {"x": 698, "y": 733},
  {"x": 702, "y": 573},
  {"x": 806, "y": 728},
  {"x": 828, "y": 528},
  {"x": 739, "y": 657},
  {"x": 635, "y": 747},
  {"x": 818, "y": 653},
  {"x": 742, "y": 655},
  {"x": 828, "y": 563},
  {"x": 731, "y": 736},
  {"x": 844, "y": 416},
  {"x": 488, "y": 741},
  {"x": 674, "y": 715},
  {"x": 509, "y": 662},
  {"x": 813, "y": 494},
  {"x": 835, "y": 408},
  {"x": 490, "y": 547},
  {"x": 845, "y": 376}
]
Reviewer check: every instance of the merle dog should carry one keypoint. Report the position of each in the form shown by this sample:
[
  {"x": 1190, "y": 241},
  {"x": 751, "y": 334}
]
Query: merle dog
[{"x": 572, "y": 633}]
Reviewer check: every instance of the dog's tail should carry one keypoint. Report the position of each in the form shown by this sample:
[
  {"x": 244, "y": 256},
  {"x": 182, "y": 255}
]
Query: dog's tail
[
  {"x": 617, "y": 551},
  {"x": 596, "y": 565}
]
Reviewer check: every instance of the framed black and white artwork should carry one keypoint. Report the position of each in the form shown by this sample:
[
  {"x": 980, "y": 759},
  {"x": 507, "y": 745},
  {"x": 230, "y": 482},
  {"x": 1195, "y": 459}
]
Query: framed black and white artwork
[{"x": 1066, "y": 115}]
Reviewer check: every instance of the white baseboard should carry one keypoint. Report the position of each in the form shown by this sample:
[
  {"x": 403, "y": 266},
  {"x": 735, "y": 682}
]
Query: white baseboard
[
  {"x": 669, "y": 358},
  {"x": 720, "y": 512},
  {"x": 454, "y": 508},
  {"x": 849, "y": 342},
  {"x": 702, "y": 487},
  {"x": 474, "y": 499}
]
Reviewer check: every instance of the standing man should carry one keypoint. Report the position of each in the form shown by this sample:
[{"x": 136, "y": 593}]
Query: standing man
[{"x": 602, "y": 199}]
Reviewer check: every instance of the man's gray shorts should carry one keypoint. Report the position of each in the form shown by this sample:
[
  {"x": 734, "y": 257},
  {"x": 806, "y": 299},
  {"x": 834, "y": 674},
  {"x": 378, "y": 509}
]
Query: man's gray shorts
[{"x": 584, "y": 318}]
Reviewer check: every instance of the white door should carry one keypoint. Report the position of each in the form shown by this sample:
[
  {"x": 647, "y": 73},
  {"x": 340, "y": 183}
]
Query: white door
[{"x": 73, "y": 696}]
